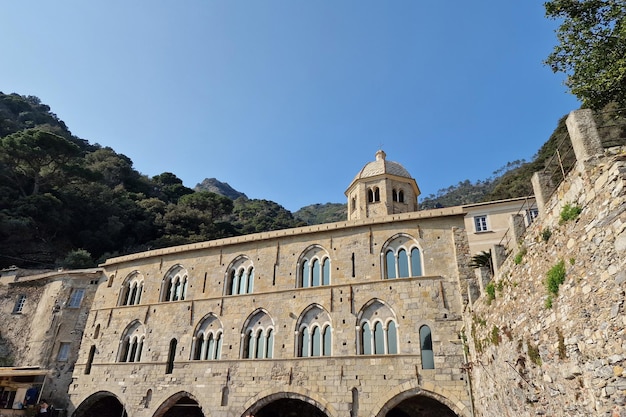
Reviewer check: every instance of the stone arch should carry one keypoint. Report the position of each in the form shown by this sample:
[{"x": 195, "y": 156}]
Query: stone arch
[
  {"x": 305, "y": 277},
  {"x": 447, "y": 403},
  {"x": 239, "y": 276},
  {"x": 101, "y": 404},
  {"x": 265, "y": 398},
  {"x": 414, "y": 254},
  {"x": 182, "y": 399}
]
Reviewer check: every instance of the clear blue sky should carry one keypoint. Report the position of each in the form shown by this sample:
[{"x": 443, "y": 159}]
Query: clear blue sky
[{"x": 286, "y": 100}]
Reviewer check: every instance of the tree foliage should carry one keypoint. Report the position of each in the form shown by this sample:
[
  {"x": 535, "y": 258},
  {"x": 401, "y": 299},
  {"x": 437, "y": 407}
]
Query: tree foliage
[
  {"x": 591, "y": 49},
  {"x": 66, "y": 202}
]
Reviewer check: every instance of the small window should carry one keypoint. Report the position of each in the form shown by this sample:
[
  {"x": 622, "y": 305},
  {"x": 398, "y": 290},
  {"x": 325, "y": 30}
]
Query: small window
[
  {"x": 76, "y": 298},
  {"x": 64, "y": 352},
  {"x": 19, "y": 304},
  {"x": 531, "y": 215},
  {"x": 480, "y": 223}
]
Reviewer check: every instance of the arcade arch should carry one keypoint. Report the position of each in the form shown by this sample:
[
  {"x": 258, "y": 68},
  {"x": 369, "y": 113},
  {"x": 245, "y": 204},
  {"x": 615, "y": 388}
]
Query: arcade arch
[
  {"x": 101, "y": 404},
  {"x": 417, "y": 402}
]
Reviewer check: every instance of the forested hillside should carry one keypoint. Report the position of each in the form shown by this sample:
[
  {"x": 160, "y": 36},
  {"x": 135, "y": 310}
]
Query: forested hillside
[{"x": 67, "y": 202}]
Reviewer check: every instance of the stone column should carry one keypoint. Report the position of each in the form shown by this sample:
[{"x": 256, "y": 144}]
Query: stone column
[
  {"x": 518, "y": 227},
  {"x": 483, "y": 275},
  {"x": 584, "y": 135},
  {"x": 498, "y": 256},
  {"x": 543, "y": 189}
]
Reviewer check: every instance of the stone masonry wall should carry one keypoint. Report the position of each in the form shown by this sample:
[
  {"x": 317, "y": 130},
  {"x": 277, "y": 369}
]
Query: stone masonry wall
[
  {"x": 561, "y": 355},
  {"x": 328, "y": 382}
]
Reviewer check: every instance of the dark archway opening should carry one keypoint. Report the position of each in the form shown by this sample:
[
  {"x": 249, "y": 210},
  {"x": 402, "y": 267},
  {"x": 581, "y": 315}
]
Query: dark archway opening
[
  {"x": 421, "y": 406},
  {"x": 185, "y": 407},
  {"x": 101, "y": 406},
  {"x": 289, "y": 407}
]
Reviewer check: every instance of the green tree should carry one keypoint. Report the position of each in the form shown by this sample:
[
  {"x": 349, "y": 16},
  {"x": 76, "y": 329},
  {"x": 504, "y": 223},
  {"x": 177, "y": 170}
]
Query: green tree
[
  {"x": 482, "y": 260},
  {"x": 78, "y": 259},
  {"x": 591, "y": 49},
  {"x": 34, "y": 157}
]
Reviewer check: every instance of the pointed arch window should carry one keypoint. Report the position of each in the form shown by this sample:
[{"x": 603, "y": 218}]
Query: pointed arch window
[
  {"x": 132, "y": 289},
  {"x": 208, "y": 337},
  {"x": 402, "y": 258},
  {"x": 175, "y": 282},
  {"x": 131, "y": 345},
  {"x": 240, "y": 277},
  {"x": 314, "y": 268},
  {"x": 258, "y": 337},
  {"x": 314, "y": 332},
  {"x": 377, "y": 330}
]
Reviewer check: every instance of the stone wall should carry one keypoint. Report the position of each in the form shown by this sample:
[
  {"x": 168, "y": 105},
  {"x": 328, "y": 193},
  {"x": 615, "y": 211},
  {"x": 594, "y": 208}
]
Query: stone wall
[
  {"x": 537, "y": 353},
  {"x": 357, "y": 278},
  {"x": 33, "y": 335}
]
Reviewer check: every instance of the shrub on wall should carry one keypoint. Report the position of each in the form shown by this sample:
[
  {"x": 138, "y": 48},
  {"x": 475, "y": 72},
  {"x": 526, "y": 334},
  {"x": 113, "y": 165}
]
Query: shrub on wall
[
  {"x": 555, "y": 277},
  {"x": 569, "y": 212}
]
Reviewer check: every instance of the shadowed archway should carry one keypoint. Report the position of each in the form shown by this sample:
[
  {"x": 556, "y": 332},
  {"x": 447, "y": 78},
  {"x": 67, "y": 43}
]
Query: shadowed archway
[
  {"x": 101, "y": 404},
  {"x": 180, "y": 405},
  {"x": 420, "y": 403},
  {"x": 289, "y": 407}
]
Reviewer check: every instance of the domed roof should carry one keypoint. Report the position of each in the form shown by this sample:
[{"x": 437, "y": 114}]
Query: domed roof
[{"x": 381, "y": 166}]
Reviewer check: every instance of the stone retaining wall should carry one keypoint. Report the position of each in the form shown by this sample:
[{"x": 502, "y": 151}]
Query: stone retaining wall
[{"x": 533, "y": 353}]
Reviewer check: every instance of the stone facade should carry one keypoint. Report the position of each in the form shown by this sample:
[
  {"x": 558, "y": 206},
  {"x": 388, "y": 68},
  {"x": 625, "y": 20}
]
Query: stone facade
[
  {"x": 357, "y": 280},
  {"x": 362, "y": 317},
  {"x": 43, "y": 317}
]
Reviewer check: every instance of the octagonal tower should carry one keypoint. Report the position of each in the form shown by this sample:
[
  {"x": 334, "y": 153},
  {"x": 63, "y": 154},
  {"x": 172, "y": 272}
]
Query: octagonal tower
[{"x": 381, "y": 188}]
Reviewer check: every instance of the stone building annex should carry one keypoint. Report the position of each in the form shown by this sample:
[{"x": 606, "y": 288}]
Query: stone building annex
[{"x": 361, "y": 317}]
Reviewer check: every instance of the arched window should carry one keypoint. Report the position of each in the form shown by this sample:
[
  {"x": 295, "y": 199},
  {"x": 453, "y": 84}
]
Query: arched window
[
  {"x": 394, "y": 195},
  {"x": 426, "y": 346},
  {"x": 376, "y": 194},
  {"x": 258, "y": 337},
  {"x": 314, "y": 267},
  {"x": 174, "y": 287},
  {"x": 207, "y": 340},
  {"x": 401, "y": 196},
  {"x": 240, "y": 276},
  {"x": 132, "y": 289},
  {"x": 314, "y": 332},
  {"x": 402, "y": 258},
  {"x": 132, "y": 342},
  {"x": 377, "y": 330},
  {"x": 370, "y": 195}
]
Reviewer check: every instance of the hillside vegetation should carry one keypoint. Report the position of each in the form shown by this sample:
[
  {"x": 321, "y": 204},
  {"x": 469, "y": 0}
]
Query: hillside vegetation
[
  {"x": 64, "y": 201},
  {"x": 67, "y": 202}
]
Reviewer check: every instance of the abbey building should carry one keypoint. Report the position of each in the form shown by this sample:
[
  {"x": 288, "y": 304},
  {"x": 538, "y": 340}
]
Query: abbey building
[{"x": 361, "y": 317}]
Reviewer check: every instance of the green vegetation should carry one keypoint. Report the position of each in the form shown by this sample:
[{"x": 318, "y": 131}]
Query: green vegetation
[
  {"x": 78, "y": 259},
  {"x": 66, "y": 202},
  {"x": 569, "y": 212},
  {"x": 520, "y": 255},
  {"x": 555, "y": 277},
  {"x": 590, "y": 52},
  {"x": 562, "y": 350},
  {"x": 533, "y": 353},
  {"x": 548, "y": 302},
  {"x": 495, "y": 336},
  {"x": 322, "y": 213},
  {"x": 546, "y": 234},
  {"x": 490, "y": 289},
  {"x": 482, "y": 260}
]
